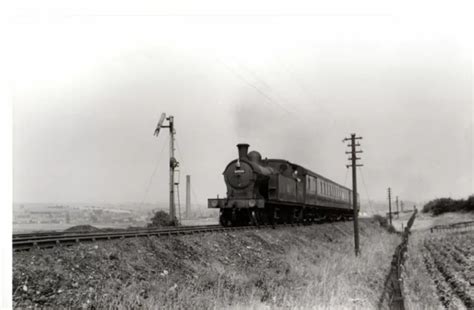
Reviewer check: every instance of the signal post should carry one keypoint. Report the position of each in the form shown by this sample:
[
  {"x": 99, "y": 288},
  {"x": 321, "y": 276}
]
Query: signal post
[{"x": 173, "y": 162}]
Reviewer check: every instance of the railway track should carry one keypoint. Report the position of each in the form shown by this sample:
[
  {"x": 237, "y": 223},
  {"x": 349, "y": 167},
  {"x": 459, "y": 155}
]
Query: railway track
[
  {"x": 22, "y": 242},
  {"x": 54, "y": 234},
  {"x": 27, "y": 241}
]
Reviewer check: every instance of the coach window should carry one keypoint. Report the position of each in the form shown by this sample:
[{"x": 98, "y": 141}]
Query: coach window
[{"x": 312, "y": 185}]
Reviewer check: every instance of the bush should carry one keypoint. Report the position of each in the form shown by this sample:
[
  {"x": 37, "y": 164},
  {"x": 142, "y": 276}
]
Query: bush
[
  {"x": 160, "y": 219},
  {"x": 443, "y": 205},
  {"x": 383, "y": 221}
]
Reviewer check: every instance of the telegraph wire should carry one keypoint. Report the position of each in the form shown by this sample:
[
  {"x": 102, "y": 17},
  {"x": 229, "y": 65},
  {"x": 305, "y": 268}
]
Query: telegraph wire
[
  {"x": 366, "y": 190},
  {"x": 270, "y": 89},
  {"x": 345, "y": 178},
  {"x": 302, "y": 86},
  {"x": 150, "y": 181},
  {"x": 184, "y": 170},
  {"x": 255, "y": 76},
  {"x": 261, "y": 81},
  {"x": 270, "y": 99}
]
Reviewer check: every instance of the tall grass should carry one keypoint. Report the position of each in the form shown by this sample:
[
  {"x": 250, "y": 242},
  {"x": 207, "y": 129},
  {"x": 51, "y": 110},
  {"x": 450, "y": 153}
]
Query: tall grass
[
  {"x": 299, "y": 268},
  {"x": 309, "y": 273}
]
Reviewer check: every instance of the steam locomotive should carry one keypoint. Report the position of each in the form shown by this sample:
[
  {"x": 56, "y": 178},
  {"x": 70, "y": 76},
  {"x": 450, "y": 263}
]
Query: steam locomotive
[{"x": 271, "y": 191}]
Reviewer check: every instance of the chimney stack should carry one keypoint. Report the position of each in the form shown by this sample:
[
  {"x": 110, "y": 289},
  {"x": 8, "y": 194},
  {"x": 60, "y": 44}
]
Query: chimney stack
[
  {"x": 243, "y": 150},
  {"x": 188, "y": 196}
]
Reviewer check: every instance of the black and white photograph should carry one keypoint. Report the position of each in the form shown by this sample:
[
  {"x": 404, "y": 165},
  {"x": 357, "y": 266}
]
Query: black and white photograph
[{"x": 241, "y": 155}]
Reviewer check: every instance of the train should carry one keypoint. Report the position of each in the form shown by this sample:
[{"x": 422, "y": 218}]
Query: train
[{"x": 274, "y": 191}]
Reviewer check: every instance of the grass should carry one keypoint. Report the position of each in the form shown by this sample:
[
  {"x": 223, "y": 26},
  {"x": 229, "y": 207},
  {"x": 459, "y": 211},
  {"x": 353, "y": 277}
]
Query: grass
[{"x": 298, "y": 268}]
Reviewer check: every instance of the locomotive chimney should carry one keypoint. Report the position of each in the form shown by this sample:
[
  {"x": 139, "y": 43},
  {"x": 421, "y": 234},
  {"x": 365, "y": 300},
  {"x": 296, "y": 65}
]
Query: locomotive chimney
[{"x": 243, "y": 150}]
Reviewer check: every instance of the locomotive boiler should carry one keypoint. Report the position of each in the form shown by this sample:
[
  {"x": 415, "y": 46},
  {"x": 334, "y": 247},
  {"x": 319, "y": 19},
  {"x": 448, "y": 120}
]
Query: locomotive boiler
[{"x": 270, "y": 191}]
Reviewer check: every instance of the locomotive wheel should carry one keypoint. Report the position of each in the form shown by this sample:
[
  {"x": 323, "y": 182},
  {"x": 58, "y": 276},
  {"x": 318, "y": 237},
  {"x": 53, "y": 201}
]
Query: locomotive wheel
[
  {"x": 242, "y": 217},
  {"x": 225, "y": 218},
  {"x": 253, "y": 217},
  {"x": 299, "y": 216},
  {"x": 260, "y": 216},
  {"x": 289, "y": 216},
  {"x": 304, "y": 217},
  {"x": 272, "y": 217}
]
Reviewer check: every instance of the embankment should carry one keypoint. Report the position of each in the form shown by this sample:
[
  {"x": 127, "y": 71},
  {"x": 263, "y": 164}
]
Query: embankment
[{"x": 306, "y": 266}]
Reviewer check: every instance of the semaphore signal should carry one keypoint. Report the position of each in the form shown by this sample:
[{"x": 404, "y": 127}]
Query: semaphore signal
[{"x": 173, "y": 162}]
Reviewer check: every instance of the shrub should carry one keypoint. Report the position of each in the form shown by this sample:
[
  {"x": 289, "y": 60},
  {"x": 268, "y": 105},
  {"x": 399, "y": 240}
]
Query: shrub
[
  {"x": 443, "y": 205},
  {"x": 160, "y": 219},
  {"x": 384, "y": 223}
]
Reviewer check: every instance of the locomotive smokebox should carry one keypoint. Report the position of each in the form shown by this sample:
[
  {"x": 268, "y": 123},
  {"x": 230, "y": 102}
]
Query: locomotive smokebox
[{"x": 243, "y": 150}]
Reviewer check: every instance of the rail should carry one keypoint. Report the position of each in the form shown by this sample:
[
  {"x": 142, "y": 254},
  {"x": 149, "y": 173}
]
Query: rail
[
  {"x": 55, "y": 234},
  {"x": 48, "y": 240}
]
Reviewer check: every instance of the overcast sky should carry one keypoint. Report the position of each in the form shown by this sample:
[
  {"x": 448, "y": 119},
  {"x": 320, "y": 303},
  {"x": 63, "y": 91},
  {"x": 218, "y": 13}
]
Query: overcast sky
[{"x": 88, "y": 90}]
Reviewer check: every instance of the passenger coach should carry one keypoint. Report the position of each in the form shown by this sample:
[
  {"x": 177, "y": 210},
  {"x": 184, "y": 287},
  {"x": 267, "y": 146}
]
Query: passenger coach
[{"x": 278, "y": 191}]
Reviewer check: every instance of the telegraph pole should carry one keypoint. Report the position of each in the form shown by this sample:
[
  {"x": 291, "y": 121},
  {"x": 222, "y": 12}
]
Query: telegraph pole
[
  {"x": 396, "y": 203},
  {"x": 390, "y": 205},
  {"x": 354, "y": 166},
  {"x": 401, "y": 205}
]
